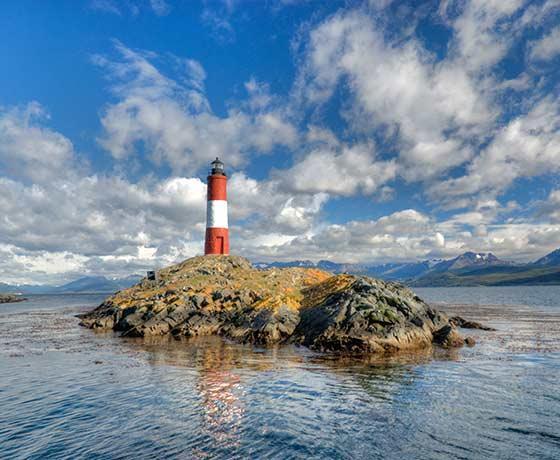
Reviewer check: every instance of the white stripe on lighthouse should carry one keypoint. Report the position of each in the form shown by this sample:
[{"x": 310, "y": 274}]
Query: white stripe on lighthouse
[{"x": 216, "y": 214}]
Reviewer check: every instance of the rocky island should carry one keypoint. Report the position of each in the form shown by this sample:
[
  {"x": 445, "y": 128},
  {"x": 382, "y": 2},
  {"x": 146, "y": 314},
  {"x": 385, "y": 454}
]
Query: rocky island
[
  {"x": 10, "y": 298},
  {"x": 227, "y": 296}
]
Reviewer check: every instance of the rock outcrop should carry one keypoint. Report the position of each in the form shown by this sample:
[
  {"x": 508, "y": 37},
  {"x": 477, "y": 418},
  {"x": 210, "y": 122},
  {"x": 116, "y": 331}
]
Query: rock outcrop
[
  {"x": 10, "y": 298},
  {"x": 225, "y": 295}
]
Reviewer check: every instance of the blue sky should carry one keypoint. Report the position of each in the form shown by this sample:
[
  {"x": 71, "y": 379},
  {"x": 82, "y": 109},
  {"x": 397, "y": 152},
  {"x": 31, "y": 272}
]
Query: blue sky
[{"x": 352, "y": 131}]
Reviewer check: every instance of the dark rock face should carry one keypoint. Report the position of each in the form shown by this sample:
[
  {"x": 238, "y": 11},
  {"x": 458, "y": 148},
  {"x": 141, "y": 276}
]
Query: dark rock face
[
  {"x": 448, "y": 337},
  {"x": 226, "y": 296},
  {"x": 369, "y": 316},
  {"x": 264, "y": 326}
]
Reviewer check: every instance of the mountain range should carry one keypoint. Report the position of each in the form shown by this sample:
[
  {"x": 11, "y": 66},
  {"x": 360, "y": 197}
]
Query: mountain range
[
  {"x": 86, "y": 284},
  {"x": 467, "y": 269}
]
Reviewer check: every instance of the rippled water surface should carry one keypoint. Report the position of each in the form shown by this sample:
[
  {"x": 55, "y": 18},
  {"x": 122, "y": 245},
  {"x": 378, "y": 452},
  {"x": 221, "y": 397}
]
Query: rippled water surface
[{"x": 67, "y": 392}]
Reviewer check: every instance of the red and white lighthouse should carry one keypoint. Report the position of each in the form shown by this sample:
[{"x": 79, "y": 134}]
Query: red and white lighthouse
[{"x": 217, "y": 236}]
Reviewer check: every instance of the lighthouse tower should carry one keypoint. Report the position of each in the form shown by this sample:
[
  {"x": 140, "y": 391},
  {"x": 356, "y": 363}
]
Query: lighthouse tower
[{"x": 217, "y": 237}]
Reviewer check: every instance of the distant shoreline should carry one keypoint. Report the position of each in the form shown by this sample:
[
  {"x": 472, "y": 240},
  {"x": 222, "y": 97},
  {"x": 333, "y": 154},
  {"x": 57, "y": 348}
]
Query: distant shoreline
[{"x": 410, "y": 286}]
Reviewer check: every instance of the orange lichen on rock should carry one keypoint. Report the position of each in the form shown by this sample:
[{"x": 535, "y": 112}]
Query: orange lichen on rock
[{"x": 318, "y": 292}]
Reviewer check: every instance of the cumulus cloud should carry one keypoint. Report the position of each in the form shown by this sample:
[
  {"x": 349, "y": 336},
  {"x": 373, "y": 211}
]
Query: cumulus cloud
[
  {"x": 61, "y": 220},
  {"x": 95, "y": 215},
  {"x": 55, "y": 213},
  {"x": 527, "y": 146},
  {"x": 270, "y": 208},
  {"x": 28, "y": 150},
  {"x": 441, "y": 112},
  {"x": 434, "y": 107},
  {"x": 549, "y": 210},
  {"x": 409, "y": 235},
  {"x": 339, "y": 170},
  {"x": 403, "y": 235},
  {"x": 173, "y": 122},
  {"x": 479, "y": 43}
]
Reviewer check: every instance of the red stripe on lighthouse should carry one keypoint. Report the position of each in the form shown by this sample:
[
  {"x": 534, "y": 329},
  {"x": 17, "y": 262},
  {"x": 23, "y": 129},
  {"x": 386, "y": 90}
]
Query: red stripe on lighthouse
[
  {"x": 217, "y": 234},
  {"x": 217, "y": 188}
]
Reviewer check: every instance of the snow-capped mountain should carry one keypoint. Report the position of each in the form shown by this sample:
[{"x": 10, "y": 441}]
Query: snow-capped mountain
[{"x": 467, "y": 269}]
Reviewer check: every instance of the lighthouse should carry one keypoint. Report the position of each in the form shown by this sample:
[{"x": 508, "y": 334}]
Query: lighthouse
[{"x": 217, "y": 237}]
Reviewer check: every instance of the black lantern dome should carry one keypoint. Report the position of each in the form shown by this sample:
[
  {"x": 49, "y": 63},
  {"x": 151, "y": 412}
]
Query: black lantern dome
[{"x": 217, "y": 168}]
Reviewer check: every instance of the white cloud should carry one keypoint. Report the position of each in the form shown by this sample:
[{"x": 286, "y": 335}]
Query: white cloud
[
  {"x": 100, "y": 215},
  {"x": 478, "y": 42},
  {"x": 527, "y": 146},
  {"x": 339, "y": 170},
  {"x": 536, "y": 14},
  {"x": 56, "y": 214},
  {"x": 272, "y": 209},
  {"x": 174, "y": 122},
  {"x": 299, "y": 215},
  {"x": 409, "y": 235},
  {"x": 195, "y": 74},
  {"x": 29, "y": 151},
  {"x": 403, "y": 235},
  {"x": 435, "y": 107},
  {"x": 547, "y": 47},
  {"x": 380, "y": 4},
  {"x": 549, "y": 210}
]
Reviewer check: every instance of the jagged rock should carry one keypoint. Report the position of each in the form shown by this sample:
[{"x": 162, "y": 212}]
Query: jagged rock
[
  {"x": 181, "y": 313},
  {"x": 369, "y": 316},
  {"x": 263, "y": 326},
  {"x": 130, "y": 321},
  {"x": 458, "y": 321},
  {"x": 106, "y": 316},
  {"x": 199, "y": 301},
  {"x": 198, "y": 324},
  {"x": 10, "y": 298},
  {"x": 448, "y": 337},
  {"x": 107, "y": 322},
  {"x": 225, "y": 295}
]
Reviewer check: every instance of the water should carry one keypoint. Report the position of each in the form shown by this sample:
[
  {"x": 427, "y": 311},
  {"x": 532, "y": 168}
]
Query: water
[
  {"x": 544, "y": 297},
  {"x": 68, "y": 392}
]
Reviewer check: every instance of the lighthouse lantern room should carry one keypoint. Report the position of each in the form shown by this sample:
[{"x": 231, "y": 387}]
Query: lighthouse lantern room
[{"x": 217, "y": 237}]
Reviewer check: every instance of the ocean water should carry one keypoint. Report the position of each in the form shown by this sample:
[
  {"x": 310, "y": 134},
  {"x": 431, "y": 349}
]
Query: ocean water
[{"x": 68, "y": 392}]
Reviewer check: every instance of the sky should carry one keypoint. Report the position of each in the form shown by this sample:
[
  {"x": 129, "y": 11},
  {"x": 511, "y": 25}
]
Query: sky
[{"x": 372, "y": 132}]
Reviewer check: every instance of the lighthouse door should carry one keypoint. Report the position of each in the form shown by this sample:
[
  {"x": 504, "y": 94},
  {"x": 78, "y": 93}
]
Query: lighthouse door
[{"x": 220, "y": 244}]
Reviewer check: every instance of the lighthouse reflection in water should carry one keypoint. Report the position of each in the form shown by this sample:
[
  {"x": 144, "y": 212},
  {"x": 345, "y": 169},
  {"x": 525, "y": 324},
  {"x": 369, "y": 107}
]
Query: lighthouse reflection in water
[{"x": 221, "y": 392}]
